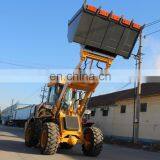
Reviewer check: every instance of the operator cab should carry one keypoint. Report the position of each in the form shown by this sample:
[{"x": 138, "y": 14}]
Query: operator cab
[
  {"x": 54, "y": 93},
  {"x": 75, "y": 93},
  {"x": 55, "y": 88}
]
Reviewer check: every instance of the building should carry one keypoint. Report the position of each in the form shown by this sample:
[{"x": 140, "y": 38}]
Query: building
[
  {"x": 7, "y": 113},
  {"x": 16, "y": 112},
  {"x": 114, "y": 113}
]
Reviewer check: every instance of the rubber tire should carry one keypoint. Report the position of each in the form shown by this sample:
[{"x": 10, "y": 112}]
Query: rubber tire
[
  {"x": 52, "y": 139},
  {"x": 96, "y": 142},
  {"x": 65, "y": 146},
  {"x": 31, "y": 139}
]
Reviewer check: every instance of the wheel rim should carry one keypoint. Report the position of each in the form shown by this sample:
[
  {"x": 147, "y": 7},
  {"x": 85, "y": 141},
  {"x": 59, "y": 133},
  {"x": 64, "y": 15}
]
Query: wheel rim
[{"x": 44, "y": 138}]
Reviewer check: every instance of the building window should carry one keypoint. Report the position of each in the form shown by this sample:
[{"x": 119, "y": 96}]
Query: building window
[
  {"x": 93, "y": 112},
  {"x": 105, "y": 112},
  {"x": 123, "y": 109},
  {"x": 143, "y": 107}
]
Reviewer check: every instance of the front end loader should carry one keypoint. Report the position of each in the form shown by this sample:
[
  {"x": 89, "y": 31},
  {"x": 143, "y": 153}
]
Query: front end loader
[{"x": 57, "y": 123}]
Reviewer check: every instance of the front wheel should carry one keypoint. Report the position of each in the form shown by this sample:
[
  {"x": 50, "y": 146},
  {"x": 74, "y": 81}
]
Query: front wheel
[
  {"x": 93, "y": 141},
  {"x": 49, "y": 140}
]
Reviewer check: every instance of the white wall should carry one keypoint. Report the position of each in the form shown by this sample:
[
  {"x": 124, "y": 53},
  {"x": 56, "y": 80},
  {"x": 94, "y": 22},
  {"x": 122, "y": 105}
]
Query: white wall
[
  {"x": 150, "y": 121},
  {"x": 17, "y": 112},
  {"x": 121, "y": 124}
]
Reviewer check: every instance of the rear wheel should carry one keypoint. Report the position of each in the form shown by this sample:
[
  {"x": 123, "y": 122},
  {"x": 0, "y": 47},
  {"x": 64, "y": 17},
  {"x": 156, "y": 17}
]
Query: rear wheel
[
  {"x": 49, "y": 140},
  {"x": 31, "y": 139},
  {"x": 93, "y": 141}
]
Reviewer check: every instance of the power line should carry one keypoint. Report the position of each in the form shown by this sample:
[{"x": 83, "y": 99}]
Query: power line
[
  {"x": 126, "y": 85},
  {"x": 148, "y": 34},
  {"x": 27, "y": 97},
  {"x": 16, "y": 64},
  {"x": 123, "y": 87},
  {"x": 32, "y": 94},
  {"x": 22, "y": 65},
  {"x": 152, "y": 23}
]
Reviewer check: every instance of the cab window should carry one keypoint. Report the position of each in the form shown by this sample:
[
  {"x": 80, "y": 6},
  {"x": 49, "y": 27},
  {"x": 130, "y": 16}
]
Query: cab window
[
  {"x": 51, "y": 99},
  {"x": 54, "y": 93}
]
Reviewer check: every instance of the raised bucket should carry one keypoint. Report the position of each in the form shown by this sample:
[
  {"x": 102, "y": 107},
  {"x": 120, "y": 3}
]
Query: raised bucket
[{"x": 104, "y": 32}]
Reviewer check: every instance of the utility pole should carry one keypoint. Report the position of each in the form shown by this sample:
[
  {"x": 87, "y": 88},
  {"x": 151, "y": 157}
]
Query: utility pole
[
  {"x": 12, "y": 102},
  {"x": 43, "y": 96},
  {"x": 138, "y": 93},
  {"x": 0, "y": 115},
  {"x": 84, "y": 3}
]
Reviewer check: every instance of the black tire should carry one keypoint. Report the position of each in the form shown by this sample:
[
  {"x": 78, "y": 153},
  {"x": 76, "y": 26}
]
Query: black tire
[
  {"x": 65, "y": 146},
  {"x": 31, "y": 139},
  {"x": 93, "y": 141},
  {"x": 49, "y": 139}
]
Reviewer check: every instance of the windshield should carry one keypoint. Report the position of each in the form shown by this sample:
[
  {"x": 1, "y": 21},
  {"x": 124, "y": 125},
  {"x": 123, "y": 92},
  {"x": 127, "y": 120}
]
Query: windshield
[
  {"x": 54, "y": 93},
  {"x": 52, "y": 97},
  {"x": 67, "y": 99},
  {"x": 72, "y": 96}
]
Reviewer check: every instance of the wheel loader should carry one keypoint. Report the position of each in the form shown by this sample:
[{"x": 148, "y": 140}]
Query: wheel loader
[{"x": 57, "y": 123}]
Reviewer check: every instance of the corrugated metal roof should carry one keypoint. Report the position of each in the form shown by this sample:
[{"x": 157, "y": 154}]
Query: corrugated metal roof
[{"x": 148, "y": 89}]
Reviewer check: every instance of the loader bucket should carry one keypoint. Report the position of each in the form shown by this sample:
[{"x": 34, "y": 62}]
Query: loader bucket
[{"x": 104, "y": 32}]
